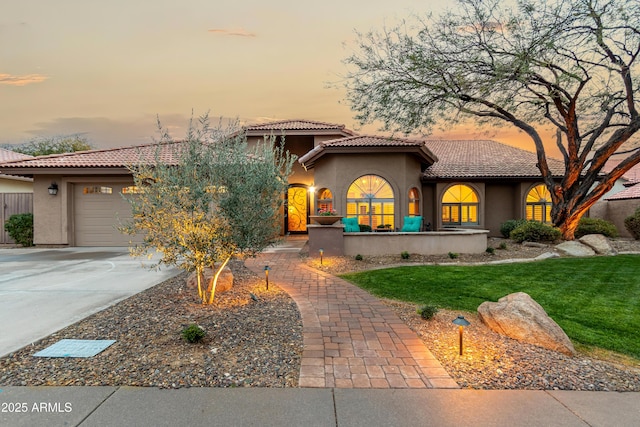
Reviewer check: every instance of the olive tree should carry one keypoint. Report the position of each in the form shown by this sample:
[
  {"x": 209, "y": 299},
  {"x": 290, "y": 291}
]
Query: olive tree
[
  {"x": 217, "y": 198},
  {"x": 566, "y": 67}
]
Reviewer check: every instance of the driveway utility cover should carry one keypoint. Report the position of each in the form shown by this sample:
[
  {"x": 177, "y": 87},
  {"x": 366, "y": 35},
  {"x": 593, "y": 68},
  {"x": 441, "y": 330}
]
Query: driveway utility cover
[{"x": 75, "y": 348}]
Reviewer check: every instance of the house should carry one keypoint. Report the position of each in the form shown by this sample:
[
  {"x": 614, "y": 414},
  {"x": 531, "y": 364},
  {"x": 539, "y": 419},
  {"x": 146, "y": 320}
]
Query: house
[
  {"x": 622, "y": 200},
  {"x": 16, "y": 193},
  {"x": 379, "y": 180},
  {"x": 10, "y": 183}
]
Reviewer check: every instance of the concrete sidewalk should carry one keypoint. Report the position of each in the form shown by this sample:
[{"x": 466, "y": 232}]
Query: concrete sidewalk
[{"x": 132, "y": 406}]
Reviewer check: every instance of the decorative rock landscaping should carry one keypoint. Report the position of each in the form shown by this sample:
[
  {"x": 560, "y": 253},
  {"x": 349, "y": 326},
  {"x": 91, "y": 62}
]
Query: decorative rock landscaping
[{"x": 518, "y": 316}]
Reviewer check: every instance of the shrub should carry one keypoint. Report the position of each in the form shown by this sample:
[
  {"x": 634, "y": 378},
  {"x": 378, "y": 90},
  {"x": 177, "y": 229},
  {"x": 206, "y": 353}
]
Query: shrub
[
  {"x": 453, "y": 255},
  {"x": 508, "y": 226},
  {"x": 364, "y": 228},
  {"x": 502, "y": 246},
  {"x": 20, "y": 228},
  {"x": 193, "y": 333},
  {"x": 358, "y": 257},
  {"x": 490, "y": 250},
  {"x": 427, "y": 311},
  {"x": 404, "y": 255},
  {"x": 534, "y": 231},
  {"x": 632, "y": 224},
  {"x": 595, "y": 226}
]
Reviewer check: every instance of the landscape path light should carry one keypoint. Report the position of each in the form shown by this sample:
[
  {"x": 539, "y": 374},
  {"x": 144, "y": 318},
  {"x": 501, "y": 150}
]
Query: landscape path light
[
  {"x": 266, "y": 274},
  {"x": 321, "y": 253},
  {"x": 461, "y": 322}
]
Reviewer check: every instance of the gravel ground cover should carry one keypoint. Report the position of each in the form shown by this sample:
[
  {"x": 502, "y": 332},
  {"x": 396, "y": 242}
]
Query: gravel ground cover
[
  {"x": 248, "y": 343},
  {"x": 259, "y": 343}
]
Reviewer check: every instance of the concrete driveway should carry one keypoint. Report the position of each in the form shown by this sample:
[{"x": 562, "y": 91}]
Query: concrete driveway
[{"x": 44, "y": 290}]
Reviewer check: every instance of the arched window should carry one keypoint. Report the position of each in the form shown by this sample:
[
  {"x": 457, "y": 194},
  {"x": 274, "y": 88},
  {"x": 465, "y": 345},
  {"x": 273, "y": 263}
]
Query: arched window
[
  {"x": 460, "y": 206},
  {"x": 325, "y": 200},
  {"x": 370, "y": 199},
  {"x": 539, "y": 203},
  {"x": 414, "y": 202}
]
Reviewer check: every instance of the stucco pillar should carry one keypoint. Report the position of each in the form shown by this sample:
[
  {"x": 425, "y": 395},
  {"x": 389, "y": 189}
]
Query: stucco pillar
[{"x": 330, "y": 238}]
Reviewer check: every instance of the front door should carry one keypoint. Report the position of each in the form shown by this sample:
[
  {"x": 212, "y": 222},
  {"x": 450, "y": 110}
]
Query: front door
[{"x": 297, "y": 209}]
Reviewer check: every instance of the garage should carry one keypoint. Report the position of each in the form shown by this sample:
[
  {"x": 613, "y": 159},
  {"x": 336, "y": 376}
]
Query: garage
[{"x": 98, "y": 210}]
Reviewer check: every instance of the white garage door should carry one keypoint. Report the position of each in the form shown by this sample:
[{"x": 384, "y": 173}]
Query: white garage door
[{"x": 98, "y": 211}]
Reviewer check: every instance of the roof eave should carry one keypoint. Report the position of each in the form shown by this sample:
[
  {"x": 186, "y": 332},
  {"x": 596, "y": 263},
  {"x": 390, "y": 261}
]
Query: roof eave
[
  {"x": 309, "y": 159},
  {"x": 299, "y": 132},
  {"x": 31, "y": 171}
]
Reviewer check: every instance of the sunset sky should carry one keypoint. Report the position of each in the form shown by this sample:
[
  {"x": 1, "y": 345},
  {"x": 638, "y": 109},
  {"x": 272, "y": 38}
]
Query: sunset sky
[{"x": 106, "y": 69}]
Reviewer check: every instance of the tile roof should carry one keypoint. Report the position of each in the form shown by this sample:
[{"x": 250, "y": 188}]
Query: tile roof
[
  {"x": 632, "y": 192},
  {"x": 632, "y": 175},
  {"x": 484, "y": 159},
  {"x": 367, "y": 143},
  {"x": 296, "y": 125},
  {"x": 8, "y": 155},
  {"x": 453, "y": 159},
  {"x": 106, "y": 158}
]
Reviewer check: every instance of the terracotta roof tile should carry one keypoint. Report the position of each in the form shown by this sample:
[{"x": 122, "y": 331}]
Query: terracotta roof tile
[
  {"x": 8, "y": 155},
  {"x": 484, "y": 159},
  {"x": 632, "y": 175},
  {"x": 372, "y": 141},
  {"x": 107, "y": 158},
  {"x": 368, "y": 142},
  {"x": 296, "y": 125},
  {"x": 632, "y": 192}
]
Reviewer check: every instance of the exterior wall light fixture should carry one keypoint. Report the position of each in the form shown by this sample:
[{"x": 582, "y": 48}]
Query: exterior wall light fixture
[{"x": 53, "y": 189}]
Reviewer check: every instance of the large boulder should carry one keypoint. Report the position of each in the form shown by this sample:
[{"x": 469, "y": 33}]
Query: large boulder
[
  {"x": 518, "y": 316},
  {"x": 574, "y": 248},
  {"x": 599, "y": 243},
  {"x": 225, "y": 281}
]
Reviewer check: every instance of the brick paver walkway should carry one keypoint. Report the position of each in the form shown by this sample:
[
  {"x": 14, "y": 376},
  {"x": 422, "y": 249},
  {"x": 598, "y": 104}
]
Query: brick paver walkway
[{"x": 351, "y": 339}]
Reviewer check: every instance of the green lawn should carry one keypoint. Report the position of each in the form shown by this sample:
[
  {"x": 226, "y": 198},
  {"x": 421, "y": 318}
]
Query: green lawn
[{"x": 595, "y": 300}]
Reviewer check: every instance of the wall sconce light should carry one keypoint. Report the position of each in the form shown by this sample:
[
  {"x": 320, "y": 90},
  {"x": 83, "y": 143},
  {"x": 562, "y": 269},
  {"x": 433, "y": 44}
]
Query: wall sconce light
[
  {"x": 266, "y": 275},
  {"x": 321, "y": 253},
  {"x": 312, "y": 189},
  {"x": 461, "y": 322},
  {"x": 53, "y": 189}
]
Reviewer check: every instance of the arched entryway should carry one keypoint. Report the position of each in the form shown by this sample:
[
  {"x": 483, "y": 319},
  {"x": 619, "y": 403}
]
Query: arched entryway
[{"x": 297, "y": 209}]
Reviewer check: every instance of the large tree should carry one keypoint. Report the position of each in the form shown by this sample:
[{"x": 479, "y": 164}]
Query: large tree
[
  {"x": 43, "y": 146},
  {"x": 567, "y": 67},
  {"x": 219, "y": 199}
]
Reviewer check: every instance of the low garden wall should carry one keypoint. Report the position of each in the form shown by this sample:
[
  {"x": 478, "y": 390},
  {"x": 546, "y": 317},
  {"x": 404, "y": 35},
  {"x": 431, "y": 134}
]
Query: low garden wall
[{"x": 335, "y": 242}]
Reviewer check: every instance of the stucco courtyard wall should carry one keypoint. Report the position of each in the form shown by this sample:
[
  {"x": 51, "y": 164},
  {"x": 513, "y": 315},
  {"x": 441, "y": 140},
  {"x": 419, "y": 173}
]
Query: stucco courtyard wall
[
  {"x": 615, "y": 211},
  {"x": 424, "y": 243}
]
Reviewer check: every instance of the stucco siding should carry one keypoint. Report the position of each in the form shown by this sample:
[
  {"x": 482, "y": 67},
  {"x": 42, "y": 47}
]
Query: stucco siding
[
  {"x": 49, "y": 212},
  {"x": 338, "y": 172},
  {"x": 8, "y": 185},
  {"x": 500, "y": 203}
]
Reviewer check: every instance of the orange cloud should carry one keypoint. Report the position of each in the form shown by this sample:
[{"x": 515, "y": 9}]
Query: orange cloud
[
  {"x": 8, "y": 79},
  {"x": 240, "y": 32}
]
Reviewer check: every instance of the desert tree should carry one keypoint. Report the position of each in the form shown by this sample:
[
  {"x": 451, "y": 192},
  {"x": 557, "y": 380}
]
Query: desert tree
[
  {"x": 563, "y": 67},
  {"x": 43, "y": 146},
  {"x": 210, "y": 198}
]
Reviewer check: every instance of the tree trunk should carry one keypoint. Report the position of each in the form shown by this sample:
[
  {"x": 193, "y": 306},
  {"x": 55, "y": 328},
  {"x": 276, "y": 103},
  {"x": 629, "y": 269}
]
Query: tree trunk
[
  {"x": 214, "y": 280},
  {"x": 568, "y": 228},
  {"x": 200, "y": 278}
]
